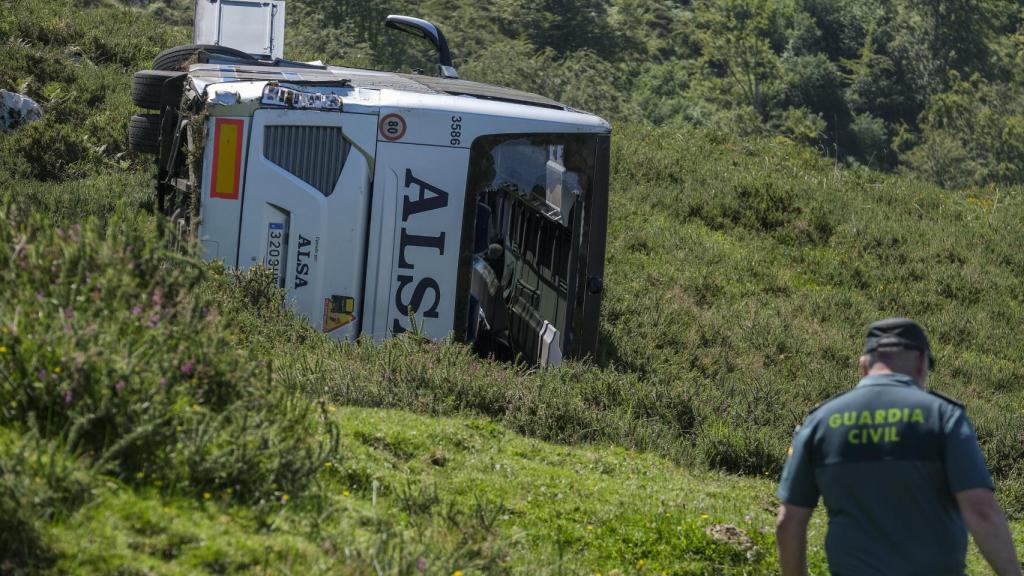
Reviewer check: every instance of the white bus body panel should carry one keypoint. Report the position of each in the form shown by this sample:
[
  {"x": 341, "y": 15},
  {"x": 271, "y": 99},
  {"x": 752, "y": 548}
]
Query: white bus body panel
[
  {"x": 419, "y": 200},
  {"x": 415, "y": 235},
  {"x": 323, "y": 237},
  {"x": 219, "y": 216}
]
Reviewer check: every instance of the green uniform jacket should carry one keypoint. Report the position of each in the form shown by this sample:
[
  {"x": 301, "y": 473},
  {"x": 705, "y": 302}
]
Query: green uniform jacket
[{"x": 887, "y": 457}]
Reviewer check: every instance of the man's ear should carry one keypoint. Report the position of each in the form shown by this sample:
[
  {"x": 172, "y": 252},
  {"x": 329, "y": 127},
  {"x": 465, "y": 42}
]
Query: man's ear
[{"x": 863, "y": 363}]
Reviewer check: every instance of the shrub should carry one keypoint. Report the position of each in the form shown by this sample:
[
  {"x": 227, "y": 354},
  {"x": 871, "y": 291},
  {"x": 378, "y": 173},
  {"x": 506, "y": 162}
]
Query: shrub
[
  {"x": 871, "y": 138},
  {"x": 39, "y": 482},
  {"x": 740, "y": 449},
  {"x": 108, "y": 346},
  {"x": 573, "y": 404},
  {"x": 802, "y": 126},
  {"x": 813, "y": 82},
  {"x": 46, "y": 151}
]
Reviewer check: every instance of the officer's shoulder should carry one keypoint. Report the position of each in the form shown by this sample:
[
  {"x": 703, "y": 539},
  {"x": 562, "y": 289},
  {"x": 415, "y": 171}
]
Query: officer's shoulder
[{"x": 945, "y": 398}]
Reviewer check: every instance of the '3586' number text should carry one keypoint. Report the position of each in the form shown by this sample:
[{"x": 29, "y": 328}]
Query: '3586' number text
[{"x": 456, "y": 131}]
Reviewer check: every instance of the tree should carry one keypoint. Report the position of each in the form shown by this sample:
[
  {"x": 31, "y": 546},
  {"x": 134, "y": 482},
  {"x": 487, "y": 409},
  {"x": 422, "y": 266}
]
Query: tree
[
  {"x": 976, "y": 119},
  {"x": 740, "y": 44}
]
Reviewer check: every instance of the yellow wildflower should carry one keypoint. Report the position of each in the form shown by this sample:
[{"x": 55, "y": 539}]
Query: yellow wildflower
[
  {"x": 332, "y": 409},
  {"x": 457, "y": 573},
  {"x": 56, "y": 370},
  {"x": 640, "y": 564},
  {"x": 3, "y": 349},
  {"x": 346, "y": 493},
  {"x": 167, "y": 508},
  {"x": 207, "y": 495},
  {"x": 284, "y": 498},
  {"x": 590, "y": 526},
  {"x": 704, "y": 516},
  {"x": 327, "y": 464}
]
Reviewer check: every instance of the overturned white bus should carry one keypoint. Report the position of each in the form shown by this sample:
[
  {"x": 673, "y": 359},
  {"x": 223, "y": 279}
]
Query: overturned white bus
[{"x": 378, "y": 199}]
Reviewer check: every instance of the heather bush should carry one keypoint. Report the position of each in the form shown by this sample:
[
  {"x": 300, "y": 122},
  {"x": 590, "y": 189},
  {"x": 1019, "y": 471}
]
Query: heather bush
[{"x": 106, "y": 346}]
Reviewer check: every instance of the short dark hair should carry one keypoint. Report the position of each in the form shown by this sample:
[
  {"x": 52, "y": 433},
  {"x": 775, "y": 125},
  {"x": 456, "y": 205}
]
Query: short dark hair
[{"x": 900, "y": 360}]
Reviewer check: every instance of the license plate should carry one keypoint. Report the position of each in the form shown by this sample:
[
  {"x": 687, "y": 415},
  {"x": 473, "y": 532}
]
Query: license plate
[{"x": 274, "y": 256}]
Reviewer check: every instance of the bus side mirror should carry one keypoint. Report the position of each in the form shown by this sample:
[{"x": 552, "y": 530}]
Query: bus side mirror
[{"x": 423, "y": 29}]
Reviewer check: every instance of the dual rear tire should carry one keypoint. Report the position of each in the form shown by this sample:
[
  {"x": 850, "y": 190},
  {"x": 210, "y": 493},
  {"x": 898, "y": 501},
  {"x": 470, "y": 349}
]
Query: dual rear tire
[
  {"x": 148, "y": 88},
  {"x": 151, "y": 89},
  {"x": 144, "y": 134},
  {"x": 178, "y": 59}
]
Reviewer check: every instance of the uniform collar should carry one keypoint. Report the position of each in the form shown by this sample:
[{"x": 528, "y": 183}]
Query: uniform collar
[{"x": 889, "y": 379}]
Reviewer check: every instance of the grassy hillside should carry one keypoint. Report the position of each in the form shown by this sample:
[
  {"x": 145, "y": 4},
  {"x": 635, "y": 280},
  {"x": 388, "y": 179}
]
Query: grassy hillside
[{"x": 159, "y": 414}]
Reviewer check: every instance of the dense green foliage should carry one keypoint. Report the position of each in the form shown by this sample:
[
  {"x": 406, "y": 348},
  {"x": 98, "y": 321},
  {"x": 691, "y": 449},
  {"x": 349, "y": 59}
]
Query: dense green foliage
[
  {"x": 934, "y": 85},
  {"x": 74, "y": 63},
  {"x": 159, "y": 414}
]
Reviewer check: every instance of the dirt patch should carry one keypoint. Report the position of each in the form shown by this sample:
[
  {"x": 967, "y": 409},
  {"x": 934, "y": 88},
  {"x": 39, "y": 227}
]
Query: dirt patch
[{"x": 732, "y": 536}]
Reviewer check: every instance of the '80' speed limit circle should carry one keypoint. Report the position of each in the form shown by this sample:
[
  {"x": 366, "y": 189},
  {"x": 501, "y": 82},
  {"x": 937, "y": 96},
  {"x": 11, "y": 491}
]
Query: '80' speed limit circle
[{"x": 392, "y": 127}]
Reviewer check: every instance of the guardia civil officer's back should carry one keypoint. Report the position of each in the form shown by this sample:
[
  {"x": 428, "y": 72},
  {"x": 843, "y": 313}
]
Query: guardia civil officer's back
[{"x": 899, "y": 469}]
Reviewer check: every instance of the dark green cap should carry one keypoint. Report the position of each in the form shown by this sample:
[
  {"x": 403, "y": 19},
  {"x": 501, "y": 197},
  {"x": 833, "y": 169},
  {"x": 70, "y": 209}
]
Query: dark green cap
[{"x": 898, "y": 333}]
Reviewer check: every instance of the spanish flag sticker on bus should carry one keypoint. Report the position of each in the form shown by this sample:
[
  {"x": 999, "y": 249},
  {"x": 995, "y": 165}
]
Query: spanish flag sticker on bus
[{"x": 228, "y": 135}]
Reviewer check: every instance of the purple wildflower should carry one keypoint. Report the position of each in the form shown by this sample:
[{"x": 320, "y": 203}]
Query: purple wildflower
[
  {"x": 188, "y": 367},
  {"x": 163, "y": 382},
  {"x": 136, "y": 310},
  {"x": 421, "y": 564},
  {"x": 158, "y": 298},
  {"x": 41, "y": 374},
  {"x": 119, "y": 387},
  {"x": 69, "y": 397},
  {"x": 153, "y": 320}
]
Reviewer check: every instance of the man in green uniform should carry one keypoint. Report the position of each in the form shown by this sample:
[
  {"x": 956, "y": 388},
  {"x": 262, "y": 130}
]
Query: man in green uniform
[{"x": 900, "y": 471}]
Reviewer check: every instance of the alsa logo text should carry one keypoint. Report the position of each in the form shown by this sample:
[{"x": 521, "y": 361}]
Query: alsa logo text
[
  {"x": 302, "y": 262},
  {"x": 413, "y": 292}
]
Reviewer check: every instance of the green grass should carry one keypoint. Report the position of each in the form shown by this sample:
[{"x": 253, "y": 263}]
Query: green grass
[
  {"x": 460, "y": 494},
  {"x": 159, "y": 414},
  {"x": 746, "y": 272}
]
